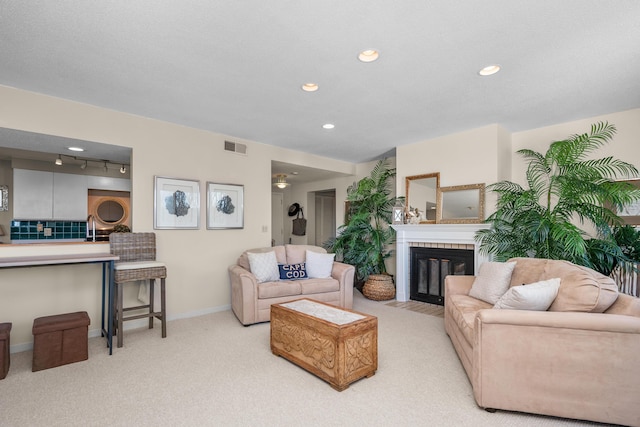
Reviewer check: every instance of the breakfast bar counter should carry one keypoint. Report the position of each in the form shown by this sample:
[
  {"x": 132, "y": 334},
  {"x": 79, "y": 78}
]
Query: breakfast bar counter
[{"x": 106, "y": 259}]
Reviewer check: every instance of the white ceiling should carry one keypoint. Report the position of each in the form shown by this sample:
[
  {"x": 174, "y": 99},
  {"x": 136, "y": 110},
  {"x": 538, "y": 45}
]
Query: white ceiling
[{"x": 236, "y": 67}]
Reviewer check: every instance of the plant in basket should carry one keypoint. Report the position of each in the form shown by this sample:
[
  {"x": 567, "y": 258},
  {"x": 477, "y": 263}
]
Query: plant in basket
[{"x": 365, "y": 240}]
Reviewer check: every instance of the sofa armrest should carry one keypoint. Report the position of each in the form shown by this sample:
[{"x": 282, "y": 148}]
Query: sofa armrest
[
  {"x": 243, "y": 294},
  {"x": 538, "y": 361},
  {"x": 457, "y": 285},
  {"x": 344, "y": 274}
]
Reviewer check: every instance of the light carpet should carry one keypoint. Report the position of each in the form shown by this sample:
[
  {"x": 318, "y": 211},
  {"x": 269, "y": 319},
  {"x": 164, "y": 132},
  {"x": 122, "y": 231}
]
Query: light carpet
[{"x": 212, "y": 371}]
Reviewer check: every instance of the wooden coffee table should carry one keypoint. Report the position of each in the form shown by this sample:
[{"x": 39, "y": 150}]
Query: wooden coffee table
[{"x": 338, "y": 345}]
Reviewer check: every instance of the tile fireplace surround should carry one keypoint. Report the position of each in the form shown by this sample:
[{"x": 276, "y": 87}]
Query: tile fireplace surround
[{"x": 443, "y": 235}]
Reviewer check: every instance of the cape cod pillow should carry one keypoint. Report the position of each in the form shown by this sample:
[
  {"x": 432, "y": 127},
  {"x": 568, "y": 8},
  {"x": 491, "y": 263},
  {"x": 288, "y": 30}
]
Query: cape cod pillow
[
  {"x": 492, "y": 281},
  {"x": 535, "y": 296},
  {"x": 264, "y": 266},
  {"x": 319, "y": 265},
  {"x": 292, "y": 271}
]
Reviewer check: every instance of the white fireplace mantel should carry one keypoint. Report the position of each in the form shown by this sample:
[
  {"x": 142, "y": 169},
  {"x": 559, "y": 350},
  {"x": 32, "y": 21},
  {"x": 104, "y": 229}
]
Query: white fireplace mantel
[{"x": 430, "y": 233}]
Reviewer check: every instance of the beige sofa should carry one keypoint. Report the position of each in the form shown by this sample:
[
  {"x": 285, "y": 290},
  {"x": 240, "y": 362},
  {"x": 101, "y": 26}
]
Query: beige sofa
[
  {"x": 578, "y": 359},
  {"x": 251, "y": 301}
]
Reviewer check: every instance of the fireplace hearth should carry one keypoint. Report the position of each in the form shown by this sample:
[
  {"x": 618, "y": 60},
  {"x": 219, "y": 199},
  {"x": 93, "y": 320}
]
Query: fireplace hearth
[{"x": 430, "y": 266}]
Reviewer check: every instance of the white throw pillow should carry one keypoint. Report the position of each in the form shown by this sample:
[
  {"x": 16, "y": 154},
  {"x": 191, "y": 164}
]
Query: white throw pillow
[
  {"x": 492, "y": 281},
  {"x": 535, "y": 296},
  {"x": 264, "y": 266},
  {"x": 319, "y": 265}
]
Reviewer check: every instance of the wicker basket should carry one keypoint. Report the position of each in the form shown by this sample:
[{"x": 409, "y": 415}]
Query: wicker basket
[{"x": 379, "y": 287}]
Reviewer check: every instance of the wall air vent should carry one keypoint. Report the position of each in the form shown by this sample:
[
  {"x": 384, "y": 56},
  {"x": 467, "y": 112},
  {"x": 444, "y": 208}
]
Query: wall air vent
[{"x": 235, "y": 147}]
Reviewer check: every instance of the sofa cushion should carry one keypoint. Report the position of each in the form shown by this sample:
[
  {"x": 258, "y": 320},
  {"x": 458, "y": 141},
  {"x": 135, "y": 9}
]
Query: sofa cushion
[
  {"x": 297, "y": 254},
  {"x": 492, "y": 281},
  {"x": 243, "y": 260},
  {"x": 317, "y": 286},
  {"x": 534, "y": 296},
  {"x": 264, "y": 266},
  {"x": 464, "y": 310},
  {"x": 281, "y": 288},
  {"x": 581, "y": 288},
  {"x": 319, "y": 265},
  {"x": 292, "y": 271},
  {"x": 528, "y": 270}
]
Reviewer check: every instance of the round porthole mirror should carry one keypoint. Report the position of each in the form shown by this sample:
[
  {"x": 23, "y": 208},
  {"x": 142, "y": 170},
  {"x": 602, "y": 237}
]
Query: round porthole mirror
[{"x": 111, "y": 212}]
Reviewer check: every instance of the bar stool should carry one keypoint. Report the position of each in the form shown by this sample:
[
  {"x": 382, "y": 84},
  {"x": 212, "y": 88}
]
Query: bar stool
[{"x": 137, "y": 252}]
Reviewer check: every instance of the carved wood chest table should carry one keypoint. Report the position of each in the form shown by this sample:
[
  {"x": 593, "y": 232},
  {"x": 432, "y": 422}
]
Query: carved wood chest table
[{"x": 338, "y": 345}]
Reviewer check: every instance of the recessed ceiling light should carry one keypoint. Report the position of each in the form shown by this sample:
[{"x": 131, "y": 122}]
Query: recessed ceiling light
[
  {"x": 489, "y": 70},
  {"x": 75, "y": 148},
  {"x": 368, "y": 55},
  {"x": 328, "y": 126},
  {"x": 309, "y": 87}
]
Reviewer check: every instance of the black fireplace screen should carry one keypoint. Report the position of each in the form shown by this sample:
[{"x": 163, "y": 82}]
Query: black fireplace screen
[{"x": 429, "y": 267}]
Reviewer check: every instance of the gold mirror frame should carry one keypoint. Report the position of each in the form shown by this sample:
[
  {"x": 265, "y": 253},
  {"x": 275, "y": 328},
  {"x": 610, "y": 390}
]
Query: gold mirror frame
[
  {"x": 407, "y": 199},
  {"x": 452, "y": 199}
]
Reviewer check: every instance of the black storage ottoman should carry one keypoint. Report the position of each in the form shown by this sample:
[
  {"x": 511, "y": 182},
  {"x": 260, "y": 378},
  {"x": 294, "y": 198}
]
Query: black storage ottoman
[{"x": 59, "y": 340}]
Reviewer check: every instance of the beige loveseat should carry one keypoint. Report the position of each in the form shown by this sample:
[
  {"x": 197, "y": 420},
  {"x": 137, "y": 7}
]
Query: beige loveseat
[
  {"x": 251, "y": 301},
  {"x": 579, "y": 359}
]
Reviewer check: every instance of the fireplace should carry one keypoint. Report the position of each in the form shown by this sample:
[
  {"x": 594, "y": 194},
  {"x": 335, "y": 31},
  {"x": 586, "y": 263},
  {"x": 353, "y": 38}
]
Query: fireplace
[
  {"x": 430, "y": 266},
  {"x": 445, "y": 236}
]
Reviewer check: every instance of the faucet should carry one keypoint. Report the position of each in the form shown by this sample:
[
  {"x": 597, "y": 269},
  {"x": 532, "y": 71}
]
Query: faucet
[{"x": 91, "y": 219}]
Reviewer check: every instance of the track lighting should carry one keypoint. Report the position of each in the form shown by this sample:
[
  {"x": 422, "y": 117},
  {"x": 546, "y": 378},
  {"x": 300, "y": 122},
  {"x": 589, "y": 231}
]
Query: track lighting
[
  {"x": 123, "y": 169},
  {"x": 59, "y": 160},
  {"x": 106, "y": 169},
  {"x": 84, "y": 165}
]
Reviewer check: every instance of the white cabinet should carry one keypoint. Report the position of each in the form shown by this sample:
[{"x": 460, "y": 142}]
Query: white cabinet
[
  {"x": 70, "y": 197},
  {"x": 108, "y": 183},
  {"x": 32, "y": 194},
  {"x": 49, "y": 195}
]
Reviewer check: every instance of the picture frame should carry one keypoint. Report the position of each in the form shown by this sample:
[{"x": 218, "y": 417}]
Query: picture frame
[
  {"x": 225, "y": 206},
  {"x": 176, "y": 204},
  {"x": 630, "y": 214},
  {"x": 4, "y": 198}
]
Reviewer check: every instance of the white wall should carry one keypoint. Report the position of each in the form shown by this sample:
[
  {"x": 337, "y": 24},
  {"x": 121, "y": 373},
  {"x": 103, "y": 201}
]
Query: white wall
[
  {"x": 488, "y": 154},
  {"x": 197, "y": 260}
]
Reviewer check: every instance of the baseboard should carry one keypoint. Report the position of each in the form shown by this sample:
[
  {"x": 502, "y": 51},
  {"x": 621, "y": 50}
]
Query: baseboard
[{"x": 133, "y": 324}]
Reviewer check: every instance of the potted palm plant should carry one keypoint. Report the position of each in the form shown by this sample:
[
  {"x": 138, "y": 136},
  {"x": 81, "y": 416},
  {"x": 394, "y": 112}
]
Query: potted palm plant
[
  {"x": 364, "y": 241},
  {"x": 563, "y": 185}
]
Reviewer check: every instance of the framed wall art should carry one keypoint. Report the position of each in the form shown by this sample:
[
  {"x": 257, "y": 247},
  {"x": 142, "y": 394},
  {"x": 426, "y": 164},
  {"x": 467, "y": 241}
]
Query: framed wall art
[
  {"x": 4, "y": 198},
  {"x": 225, "y": 206},
  {"x": 176, "y": 203}
]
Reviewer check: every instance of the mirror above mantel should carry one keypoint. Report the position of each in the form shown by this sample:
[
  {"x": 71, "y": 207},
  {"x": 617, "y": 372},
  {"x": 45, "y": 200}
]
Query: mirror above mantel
[
  {"x": 461, "y": 204},
  {"x": 421, "y": 195}
]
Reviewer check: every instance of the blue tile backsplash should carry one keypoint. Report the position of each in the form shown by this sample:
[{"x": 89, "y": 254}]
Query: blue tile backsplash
[{"x": 28, "y": 230}]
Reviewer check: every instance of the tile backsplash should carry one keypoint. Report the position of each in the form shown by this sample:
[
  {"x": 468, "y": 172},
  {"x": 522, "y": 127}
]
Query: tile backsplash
[{"x": 48, "y": 230}]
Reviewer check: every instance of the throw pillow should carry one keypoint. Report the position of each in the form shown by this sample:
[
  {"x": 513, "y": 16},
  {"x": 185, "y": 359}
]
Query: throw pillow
[
  {"x": 292, "y": 271},
  {"x": 319, "y": 265},
  {"x": 264, "y": 266},
  {"x": 535, "y": 296},
  {"x": 492, "y": 281}
]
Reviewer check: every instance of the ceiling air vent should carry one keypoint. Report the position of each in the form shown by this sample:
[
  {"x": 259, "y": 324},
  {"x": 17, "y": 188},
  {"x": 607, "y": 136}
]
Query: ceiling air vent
[{"x": 235, "y": 147}]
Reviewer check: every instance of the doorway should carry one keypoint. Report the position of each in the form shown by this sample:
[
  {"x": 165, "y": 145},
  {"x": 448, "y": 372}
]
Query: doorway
[
  {"x": 325, "y": 216},
  {"x": 277, "y": 219}
]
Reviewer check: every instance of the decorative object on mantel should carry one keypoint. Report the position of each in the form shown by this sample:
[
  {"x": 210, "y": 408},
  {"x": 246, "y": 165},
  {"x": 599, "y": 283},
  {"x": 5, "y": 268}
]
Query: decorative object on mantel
[
  {"x": 379, "y": 287},
  {"x": 398, "y": 213},
  {"x": 366, "y": 240},
  {"x": 460, "y": 204},
  {"x": 563, "y": 183}
]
